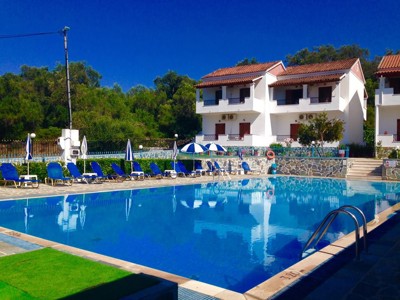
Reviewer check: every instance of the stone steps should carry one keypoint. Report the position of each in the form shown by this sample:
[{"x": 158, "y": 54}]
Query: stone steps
[{"x": 364, "y": 168}]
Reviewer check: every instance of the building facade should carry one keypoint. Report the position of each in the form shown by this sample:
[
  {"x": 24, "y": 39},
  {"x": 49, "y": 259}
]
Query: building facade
[
  {"x": 387, "y": 102},
  {"x": 256, "y": 105}
]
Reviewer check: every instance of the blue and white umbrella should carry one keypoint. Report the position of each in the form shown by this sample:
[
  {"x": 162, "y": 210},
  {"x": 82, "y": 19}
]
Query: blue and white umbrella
[
  {"x": 84, "y": 150},
  {"x": 129, "y": 153},
  {"x": 28, "y": 150},
  {"x": 175, "y": 151},
  {"x": 215, "y": 147},
  {"x": 193, "y": 148}
]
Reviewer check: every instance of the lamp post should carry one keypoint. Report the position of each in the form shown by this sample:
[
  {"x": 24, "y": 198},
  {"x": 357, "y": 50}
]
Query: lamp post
[{"x": 140, "y": 149}]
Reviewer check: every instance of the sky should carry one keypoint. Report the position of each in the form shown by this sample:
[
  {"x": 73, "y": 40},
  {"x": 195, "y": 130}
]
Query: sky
[{"x": 134, "y": 42}]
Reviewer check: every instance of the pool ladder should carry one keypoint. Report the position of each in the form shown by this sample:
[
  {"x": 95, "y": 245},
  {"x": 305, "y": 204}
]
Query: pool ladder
[{"x": 324, "y": 226}]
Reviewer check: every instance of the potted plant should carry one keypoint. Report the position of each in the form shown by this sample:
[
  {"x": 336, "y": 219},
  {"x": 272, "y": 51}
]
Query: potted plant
[{"x": 342, "y": 150}]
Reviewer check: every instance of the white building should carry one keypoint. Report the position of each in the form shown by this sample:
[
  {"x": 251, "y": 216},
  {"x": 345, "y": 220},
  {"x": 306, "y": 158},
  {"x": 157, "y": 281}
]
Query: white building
[
  {"x": 256, "y": 105},
  {"x": 387, "y": 102}
]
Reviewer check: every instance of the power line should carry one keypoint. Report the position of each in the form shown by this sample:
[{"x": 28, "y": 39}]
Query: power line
[{"x": 13, "y": 36}]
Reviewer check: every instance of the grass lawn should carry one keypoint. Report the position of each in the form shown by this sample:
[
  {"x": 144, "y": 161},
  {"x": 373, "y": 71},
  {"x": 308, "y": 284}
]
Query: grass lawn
[{"x": 51, "y": 274}]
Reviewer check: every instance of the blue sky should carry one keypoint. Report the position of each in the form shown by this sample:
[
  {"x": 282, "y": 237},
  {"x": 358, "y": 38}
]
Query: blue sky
[{"x": 133, "y": 42}]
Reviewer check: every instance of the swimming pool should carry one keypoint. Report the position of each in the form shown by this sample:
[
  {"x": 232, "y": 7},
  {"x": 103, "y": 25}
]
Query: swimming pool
[{"x": 230, "y": 234}]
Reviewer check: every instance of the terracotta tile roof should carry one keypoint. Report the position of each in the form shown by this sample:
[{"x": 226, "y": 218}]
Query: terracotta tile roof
[
  {"x": 389, "y": 64},
  {"x": 227, "y": 82},
  {"x": 321, "y": 67},
  {"x": 241, "y": 69},
  {"x": 307, "y": 80}
]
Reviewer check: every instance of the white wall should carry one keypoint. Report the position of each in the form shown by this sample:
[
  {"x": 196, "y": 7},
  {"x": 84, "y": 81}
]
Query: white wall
[{"x": 388, "y": 119}]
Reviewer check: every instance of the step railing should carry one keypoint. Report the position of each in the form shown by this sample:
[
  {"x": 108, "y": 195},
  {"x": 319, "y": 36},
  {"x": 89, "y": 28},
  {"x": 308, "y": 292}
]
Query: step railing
[{"x": 326, "y": 223}]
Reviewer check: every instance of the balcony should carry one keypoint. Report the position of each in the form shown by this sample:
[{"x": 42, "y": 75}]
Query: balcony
[
  {"x": 233, "y": 139},
  {"x": 307, "y": 105},
  {"x": 386, "y": 97},
  {"x": 230, "y": 105},
  {"x": 388, "y": 140}
]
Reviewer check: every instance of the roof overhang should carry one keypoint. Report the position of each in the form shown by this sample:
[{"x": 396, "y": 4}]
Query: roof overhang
[
  {"x": 308, "y": 80},
  {"x": 228, "y": 82}
]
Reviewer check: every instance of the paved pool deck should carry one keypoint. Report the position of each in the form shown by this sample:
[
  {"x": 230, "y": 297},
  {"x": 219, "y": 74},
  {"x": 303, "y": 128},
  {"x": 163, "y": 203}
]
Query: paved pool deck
[{"x": 375, "y": 276}]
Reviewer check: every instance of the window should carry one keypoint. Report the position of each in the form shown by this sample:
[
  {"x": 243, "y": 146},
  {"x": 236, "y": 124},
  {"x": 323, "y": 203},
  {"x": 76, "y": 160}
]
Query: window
[
  {"x": 293, "y": 96},
  {"x": 244, "y": 93},
  {"x": 325, "y": 94}
]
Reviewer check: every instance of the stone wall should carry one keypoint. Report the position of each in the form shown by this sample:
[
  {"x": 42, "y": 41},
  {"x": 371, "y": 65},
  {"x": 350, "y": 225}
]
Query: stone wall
[
  {"x": 391, "y": 169},
  {"x": 325, "y": 167}
]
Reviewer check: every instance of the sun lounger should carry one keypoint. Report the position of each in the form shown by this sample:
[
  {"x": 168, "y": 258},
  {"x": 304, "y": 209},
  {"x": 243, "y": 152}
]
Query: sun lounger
[
  {"x": 138, "y": 173},
  {"x": 99, "y": 171},
  {"x": 199, "y": 168},
  {"x": 211, "y": 168},
  {"x": 248, "y": 170},
  {"x": 120, "y": 173},
  {"x": 55, "y": 174},
  {"x": 219, "y": 169},
  {"x": 10, "y": 174},
  {"x": 78, "y": 176},
  {"x": 156, "y": 172},
  {"x": 187, "y": 172}
]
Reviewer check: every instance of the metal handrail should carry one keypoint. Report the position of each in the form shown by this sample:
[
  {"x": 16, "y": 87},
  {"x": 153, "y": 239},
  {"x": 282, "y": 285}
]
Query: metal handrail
[
  {"x": 327, "y": 221},
  {"x": 364, "y": 223}
]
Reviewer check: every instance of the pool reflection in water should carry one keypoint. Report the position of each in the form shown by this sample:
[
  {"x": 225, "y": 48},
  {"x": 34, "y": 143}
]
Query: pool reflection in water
[{"x": 231, "y": 234}]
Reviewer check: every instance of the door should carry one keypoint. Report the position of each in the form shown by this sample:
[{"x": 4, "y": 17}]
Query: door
[
  {"x": 398, "y": 130},
  {"x": 325, "y": 94},
  {"x": 219, "y": 129},
  {"x": 244, "y": 128},
  {"x": 244, "y": 93},
  {"x": 294, "y": 131},
  {"x": 218, "y": 96},
  {"x": 293, "y": 96}
]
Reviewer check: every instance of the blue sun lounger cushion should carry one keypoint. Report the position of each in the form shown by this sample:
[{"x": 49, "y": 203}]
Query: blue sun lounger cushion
[
  {"x": 10, "y": 174},
  {"x": 55, "y": 174}
]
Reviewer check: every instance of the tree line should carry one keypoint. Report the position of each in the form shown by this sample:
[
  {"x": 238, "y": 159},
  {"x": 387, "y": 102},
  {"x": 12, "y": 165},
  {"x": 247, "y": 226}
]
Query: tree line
[{"x": 35, "y": 100}]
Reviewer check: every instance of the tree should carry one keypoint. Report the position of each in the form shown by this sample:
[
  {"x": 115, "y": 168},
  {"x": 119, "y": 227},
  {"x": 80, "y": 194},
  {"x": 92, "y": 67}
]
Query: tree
[
  {"x": 247, "y": 61},
  {"x": 321, "y": 130},
  {"x": 169, "y": 83}
]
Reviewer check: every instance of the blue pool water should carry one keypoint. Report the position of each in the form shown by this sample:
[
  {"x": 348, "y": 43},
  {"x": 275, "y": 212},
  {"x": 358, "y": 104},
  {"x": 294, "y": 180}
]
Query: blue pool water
[{"x": 231, "y": 234}]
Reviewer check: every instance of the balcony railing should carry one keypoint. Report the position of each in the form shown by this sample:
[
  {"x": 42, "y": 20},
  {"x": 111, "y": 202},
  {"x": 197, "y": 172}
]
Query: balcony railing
[
  {"x": 235, "y": 101},
  {"x": 234, "y": 137},
  {"x": 210, "y": 137},
  {"x": 315, "y": 100},
  {"x": 211, "y": 102},
  {"x": 286, "y": 102}
]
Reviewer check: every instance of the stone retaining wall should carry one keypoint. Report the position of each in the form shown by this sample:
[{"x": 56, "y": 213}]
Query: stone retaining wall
[
  {"x": 325, "y": 167},
  {"x": 391, "y": 169}
]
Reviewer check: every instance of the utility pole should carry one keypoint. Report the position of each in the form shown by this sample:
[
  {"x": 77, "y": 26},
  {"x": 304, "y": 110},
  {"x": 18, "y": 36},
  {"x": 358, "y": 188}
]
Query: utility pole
[{"x": 64, "y": 30}]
